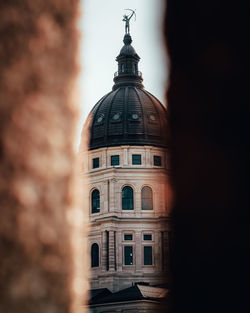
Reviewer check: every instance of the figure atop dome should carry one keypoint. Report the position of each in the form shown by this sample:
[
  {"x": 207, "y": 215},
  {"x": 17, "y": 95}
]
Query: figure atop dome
[{"x": 126, "y": 19}]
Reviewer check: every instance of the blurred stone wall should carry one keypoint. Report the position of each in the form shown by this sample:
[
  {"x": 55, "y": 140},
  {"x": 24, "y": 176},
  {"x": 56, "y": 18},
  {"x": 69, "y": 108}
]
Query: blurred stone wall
[{"x": 41, "y": 225}]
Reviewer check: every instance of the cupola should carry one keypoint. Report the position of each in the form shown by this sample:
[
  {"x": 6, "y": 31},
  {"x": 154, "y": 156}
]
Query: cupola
[{"x": 127, "y": 66}]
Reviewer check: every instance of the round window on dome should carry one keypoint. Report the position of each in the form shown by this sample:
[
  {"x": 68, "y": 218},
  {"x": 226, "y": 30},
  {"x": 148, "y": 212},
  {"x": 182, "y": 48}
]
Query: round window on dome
[
  {"x": 135, "y": 116},
  {"x": 100, "y": 118},
  {"x": 152, "y": 118},
  {"x": 116, "y": 116}
]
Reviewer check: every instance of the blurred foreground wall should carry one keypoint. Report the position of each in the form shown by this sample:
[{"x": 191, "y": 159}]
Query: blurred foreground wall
[
  {"x": 208, "y": 101},
  {"x": 40, "y": 241}
]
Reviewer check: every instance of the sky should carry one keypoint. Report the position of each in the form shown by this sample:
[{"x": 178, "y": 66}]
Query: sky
[{"x": 102, "y": 31}]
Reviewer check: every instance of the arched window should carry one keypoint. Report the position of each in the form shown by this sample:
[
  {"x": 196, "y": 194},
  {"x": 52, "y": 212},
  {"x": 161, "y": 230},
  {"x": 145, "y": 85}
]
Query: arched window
[
  {"x": 123, "y": 68},
  {"x": 95, "y": 201},
  {"x": 127, "y": 198},
  {"x": 94, "y": 255},
  {"x": 147, "y": 198}
]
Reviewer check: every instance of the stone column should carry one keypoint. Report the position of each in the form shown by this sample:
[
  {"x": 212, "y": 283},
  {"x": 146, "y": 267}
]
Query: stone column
[
  {"x": 138, "y": 251},
  {"x": 104, "y": 252},
  {"x": 112, "y": 204},
  {"x": 148, "y": 158},
  {"x": 137, "y": 200},
  {"x": 104, "y": 158},
  {"x": 112, "y": 257},
  {"x": 159, "y": 200},
  {"x": 106, "y": 196},
  {"x": 125, "y": 156},
  {"x": 119, "y": 250},
  {"x": 157, "y": 251}
]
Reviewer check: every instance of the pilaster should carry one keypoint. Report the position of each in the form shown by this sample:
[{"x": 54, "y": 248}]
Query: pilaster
[
  {"x": 104, "y": 252},
  {"x": 138, "y": 251},
  {"x": 157, "y": 252},
  {"x": 112, "y": 195},
  {"x": 119, "y": 248},
  {"x": 148, "y": 161},
  {"x": 104, "y": 158},
  {"x": 106, "y": 196},
  {"x": 112, "y": 256},
  {"x": 125, "y": 156}
]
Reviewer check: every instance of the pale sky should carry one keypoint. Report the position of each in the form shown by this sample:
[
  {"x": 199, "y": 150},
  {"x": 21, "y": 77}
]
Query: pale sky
[{"x": 102, "y": 32}]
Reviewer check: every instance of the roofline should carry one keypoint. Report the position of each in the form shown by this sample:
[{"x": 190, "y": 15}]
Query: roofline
[
  {"x": 127, "y": 144},
  {"x": 124, "y": 302}
]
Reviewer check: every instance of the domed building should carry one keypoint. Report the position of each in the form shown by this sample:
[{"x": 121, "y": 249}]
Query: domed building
[{"x": 127, "y": 165}]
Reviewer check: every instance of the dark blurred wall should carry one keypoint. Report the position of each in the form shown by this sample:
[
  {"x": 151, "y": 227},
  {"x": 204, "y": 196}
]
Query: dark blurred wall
[
  {"x": 40, "y": 242},
  {"x": 209, "y": 107}
]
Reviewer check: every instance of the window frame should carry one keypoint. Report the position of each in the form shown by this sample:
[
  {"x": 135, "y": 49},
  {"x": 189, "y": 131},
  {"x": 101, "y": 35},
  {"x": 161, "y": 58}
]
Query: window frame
[
  {"x": 124, "y": 255},
  {"x": 147, "y": 234},
  {"x": 133, "y": 159},
  {"x": 152, "y": 255},
  {"x": 159, "y": 158},
  {"x": 91, "y": 199},
  {"x": 112, "y": 156},
  {"x": 123, "y": 199},
  {"x": 143, "y": 199},
  {"x": 92, "y": 255},
  {"x": 128, "y": 234},
  {"x": 93, "y": 162}
]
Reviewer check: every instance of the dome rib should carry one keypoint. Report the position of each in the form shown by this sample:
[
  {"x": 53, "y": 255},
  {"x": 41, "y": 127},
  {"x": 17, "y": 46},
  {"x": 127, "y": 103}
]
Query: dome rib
[
  {"x": 125, "y": 120},
  {"x": 162, "y": 124},
  {"x": 143, "y": 118},
  {"x": 96, "y": 105},
  {"x": 147, "y": 95},
  {"x": 108, "y": 114},
  {"x": 95, "y": 111}
]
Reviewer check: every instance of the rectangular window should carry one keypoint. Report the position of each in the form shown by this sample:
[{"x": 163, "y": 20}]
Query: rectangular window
[
  {"x": 95, "y": 162},
  {"x": 128, "y": 255},
  {"x": 128, "y": 237},
  {"x": 148, "y": 260},
  {"x": 157, "y": 160},
  {"x": 136, "y": 159},
  {"x": 147, "y": 237},
  {"x": 115, "y": 159}
]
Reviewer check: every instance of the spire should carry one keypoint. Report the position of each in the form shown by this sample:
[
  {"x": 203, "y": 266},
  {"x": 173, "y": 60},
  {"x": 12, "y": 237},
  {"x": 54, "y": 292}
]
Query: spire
[{"x": 128, "y": 59}]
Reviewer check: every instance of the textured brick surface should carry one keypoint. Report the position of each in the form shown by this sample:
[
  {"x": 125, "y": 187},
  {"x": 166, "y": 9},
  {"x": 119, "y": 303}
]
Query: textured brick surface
[{"x": 38, "y": 233}]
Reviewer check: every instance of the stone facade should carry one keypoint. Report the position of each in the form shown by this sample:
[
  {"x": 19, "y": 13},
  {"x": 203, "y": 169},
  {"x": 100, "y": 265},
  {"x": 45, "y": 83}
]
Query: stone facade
[
  {"x": 129, "y": 194},
  {"x": 110, "y": 225}
]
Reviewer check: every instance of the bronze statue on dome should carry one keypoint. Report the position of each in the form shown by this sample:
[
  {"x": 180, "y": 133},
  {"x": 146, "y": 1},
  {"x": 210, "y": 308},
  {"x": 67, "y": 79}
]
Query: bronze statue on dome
[{"x": 126, "y": 19}]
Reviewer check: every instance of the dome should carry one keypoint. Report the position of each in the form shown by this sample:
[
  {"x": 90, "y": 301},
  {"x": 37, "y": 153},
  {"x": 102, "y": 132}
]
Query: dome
[
  {"x": 127, "y": 50},
  {"x": 128, "y": 115}
]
